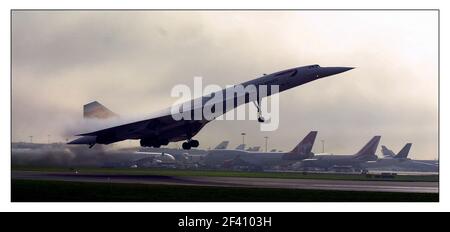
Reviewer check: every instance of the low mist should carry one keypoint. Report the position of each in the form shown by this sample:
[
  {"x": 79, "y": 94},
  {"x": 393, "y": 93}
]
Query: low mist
[{"x": 61, "y": 155}]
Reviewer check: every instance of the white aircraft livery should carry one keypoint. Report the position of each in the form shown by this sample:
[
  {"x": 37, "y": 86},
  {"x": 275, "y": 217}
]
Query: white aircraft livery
[{"x": 163, "y": 128}]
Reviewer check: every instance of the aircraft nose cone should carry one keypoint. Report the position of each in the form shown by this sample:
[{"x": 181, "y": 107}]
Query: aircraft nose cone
[
  {"x": 344, "y": 69},
  {"x": 328, "y": 71}
]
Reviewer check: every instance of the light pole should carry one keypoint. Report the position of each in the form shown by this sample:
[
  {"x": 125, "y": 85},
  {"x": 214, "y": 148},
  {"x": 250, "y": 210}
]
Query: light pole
[
  {"x": 323, "y": 145},
  {"x": 266, "y": 138},
  {"x": 243, "y": 137},
  {"x": 48, "y": 139},
  {"x": 31, "y": 139}
]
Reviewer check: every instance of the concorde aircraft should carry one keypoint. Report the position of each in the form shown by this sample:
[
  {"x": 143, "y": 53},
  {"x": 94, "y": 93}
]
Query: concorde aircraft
[{"x": 163, "y": 127}]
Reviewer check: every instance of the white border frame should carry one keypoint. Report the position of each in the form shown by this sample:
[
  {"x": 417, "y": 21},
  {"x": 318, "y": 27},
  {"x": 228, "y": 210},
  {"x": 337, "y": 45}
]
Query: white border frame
[{"x": 6, "y": 205}]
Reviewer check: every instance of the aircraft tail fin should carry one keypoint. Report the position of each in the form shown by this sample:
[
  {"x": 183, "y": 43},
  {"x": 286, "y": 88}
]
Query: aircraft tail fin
[
  {"x": 386, "y": 152},
  {"x": 96, "y": 110},
  {"x": 240, "y": 147},
  {"x": 222, "y": 145},
  {"x": 403, "y": 153},
  {"x": 368, "y": 151},
  {"x": 303, "y": 149},
  {"x": 256, "y": 148}
]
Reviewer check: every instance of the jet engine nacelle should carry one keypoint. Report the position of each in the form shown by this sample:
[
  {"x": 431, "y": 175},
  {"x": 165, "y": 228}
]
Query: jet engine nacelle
[{"x": 153, "y": 142}]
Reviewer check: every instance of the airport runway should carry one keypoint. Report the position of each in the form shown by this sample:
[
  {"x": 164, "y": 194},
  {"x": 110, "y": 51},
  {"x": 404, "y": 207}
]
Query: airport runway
[{"x": 373, "y": 186}]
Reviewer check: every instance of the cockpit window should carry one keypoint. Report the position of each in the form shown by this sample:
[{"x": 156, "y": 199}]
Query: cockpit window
[
  {"x": 290, "y": 72},
  {"x": 313, "y": 66},
  {"x": 293, "y": 73}
]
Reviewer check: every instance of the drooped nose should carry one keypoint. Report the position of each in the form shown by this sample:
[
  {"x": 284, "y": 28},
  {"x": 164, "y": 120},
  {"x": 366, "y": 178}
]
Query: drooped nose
[{"x": 329, "y": 71}]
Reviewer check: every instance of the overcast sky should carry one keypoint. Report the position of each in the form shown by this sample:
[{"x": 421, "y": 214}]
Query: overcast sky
[{"x": 129, "y": 61}]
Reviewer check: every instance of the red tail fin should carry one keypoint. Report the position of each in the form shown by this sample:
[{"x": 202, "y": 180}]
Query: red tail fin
[
  {"x": 369, "y": 149},
  {"x": 303, "y": 149}
]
